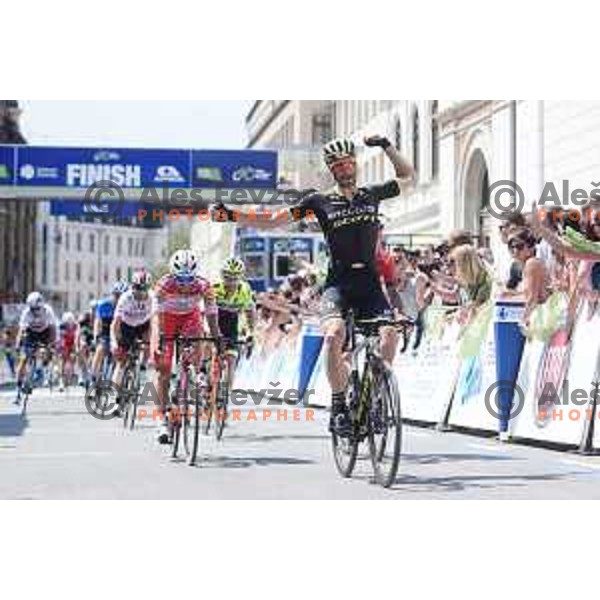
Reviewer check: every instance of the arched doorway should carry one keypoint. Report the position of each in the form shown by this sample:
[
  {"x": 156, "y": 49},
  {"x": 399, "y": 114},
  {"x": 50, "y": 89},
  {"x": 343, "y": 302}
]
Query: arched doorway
[{"x": 476, "y": 218}]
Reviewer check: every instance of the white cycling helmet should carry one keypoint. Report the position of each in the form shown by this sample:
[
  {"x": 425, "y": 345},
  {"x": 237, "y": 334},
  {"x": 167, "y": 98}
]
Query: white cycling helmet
[
  {"x": 68, "y": 318},
  {"x": 120, "y": 287},
  {"x": 184, "y": 263},
  {"x": 338, "y": 149},
  {"x": 35, "y": 300},
  {"x": 141, "y": 279}
]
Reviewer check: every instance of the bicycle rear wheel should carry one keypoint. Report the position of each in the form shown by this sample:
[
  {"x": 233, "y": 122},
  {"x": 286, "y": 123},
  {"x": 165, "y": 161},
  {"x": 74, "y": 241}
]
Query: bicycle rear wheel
[{"x": 385, "y": 426}]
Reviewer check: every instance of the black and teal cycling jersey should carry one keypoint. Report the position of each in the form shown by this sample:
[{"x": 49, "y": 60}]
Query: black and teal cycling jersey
[{"x": 350, "y": 226}]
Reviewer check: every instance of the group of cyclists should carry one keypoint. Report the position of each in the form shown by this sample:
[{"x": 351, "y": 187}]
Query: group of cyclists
[
  {"x": 179, "y": 304},
  {"x": 184, "y": 303}
]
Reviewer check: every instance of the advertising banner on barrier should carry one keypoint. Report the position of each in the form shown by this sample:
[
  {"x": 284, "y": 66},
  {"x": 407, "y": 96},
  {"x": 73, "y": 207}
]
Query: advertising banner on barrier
[
  {"x": 556, "y": 383},
  {"x": 476, "y": 387},
  {"x": 427, "y": 377}
]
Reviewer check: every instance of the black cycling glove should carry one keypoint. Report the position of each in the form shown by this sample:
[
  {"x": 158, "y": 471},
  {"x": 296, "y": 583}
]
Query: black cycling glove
[{"x": 377, "y": 140}]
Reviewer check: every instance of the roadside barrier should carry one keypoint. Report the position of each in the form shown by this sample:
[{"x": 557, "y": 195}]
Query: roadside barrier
[{"x": 485, "y": 375}]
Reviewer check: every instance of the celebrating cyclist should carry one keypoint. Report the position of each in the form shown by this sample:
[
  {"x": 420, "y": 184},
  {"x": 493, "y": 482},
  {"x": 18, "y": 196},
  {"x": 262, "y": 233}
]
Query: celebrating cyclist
[
  {"x": 105, "y": 311},
  {"x": 349, "y": 219},
  {"x": 177, "y": 311},
  {"x": 37, "y": 327},
  {"x": 131, "y": 322},
  {"x": 235, "y": 302}
]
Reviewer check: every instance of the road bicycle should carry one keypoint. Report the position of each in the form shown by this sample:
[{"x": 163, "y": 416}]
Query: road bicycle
[
  {"x": 220, "y": 391},
  {"x": 373, "y": 405},
  {"x": 131, "y": 383},
  {"x": 190, "y": 399},
  {"x": 35, "y": 352}
]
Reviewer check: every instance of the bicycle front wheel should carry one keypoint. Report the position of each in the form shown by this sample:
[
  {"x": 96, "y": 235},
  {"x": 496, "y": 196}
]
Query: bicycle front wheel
[
  {"x": 193, "y": 427},
  {"x": 385, "y": 426},
  {"x": 345, "y": 448}
]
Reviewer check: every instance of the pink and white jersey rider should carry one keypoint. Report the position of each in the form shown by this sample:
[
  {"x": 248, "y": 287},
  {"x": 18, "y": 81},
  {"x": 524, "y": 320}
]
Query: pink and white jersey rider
[
  {"x": 37, "y": 321},
  {"x": 133, "y": 312},
  {"x": 175, "y": 298}
]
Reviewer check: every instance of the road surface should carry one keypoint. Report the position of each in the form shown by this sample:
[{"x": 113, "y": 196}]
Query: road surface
[{"x": 60, "y": 452}]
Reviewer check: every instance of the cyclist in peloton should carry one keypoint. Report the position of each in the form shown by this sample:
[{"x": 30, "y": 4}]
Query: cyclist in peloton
[
  {"x": 349, "y": 219},
  {"x": 131, "y": 322},
  {"x": 176, "y": 311},
  {"x": 37, "y": 326},
  {"x": 67, "y": 336},
  {"x": 105, "y": 310},
  {"x": 235, "y": 302},
  {"x": 84, "y": 343}
]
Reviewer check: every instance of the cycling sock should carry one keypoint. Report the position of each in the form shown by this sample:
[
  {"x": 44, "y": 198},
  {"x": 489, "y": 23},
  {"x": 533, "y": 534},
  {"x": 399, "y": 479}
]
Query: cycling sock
[{"x": 338, "y": 399}]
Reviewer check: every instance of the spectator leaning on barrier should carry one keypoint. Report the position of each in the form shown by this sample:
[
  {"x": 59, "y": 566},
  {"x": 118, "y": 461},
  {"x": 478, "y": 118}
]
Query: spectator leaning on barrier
[
  {"x": 475, "y": 284},
  {"x": 534, "y": 287},
  {"x": 507, "y": 269},
  {"x": 580, "y": 242}
]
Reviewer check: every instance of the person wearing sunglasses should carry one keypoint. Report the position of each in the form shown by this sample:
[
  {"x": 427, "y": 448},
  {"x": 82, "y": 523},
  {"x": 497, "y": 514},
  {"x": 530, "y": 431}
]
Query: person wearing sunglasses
[
  {"x": 236, "y": 310},
  {"x": 534, "y": 288},
  {"x": 350, "y": 220}
]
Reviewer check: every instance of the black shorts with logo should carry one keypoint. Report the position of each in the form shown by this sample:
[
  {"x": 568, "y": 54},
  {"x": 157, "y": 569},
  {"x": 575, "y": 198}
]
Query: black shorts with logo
[
  {"x": 359, "y": 291},
  {"x": 130, "y": 334}
]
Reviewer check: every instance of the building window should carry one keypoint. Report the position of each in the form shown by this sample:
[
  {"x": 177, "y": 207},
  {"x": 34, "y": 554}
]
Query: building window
[
  {"x": 435, "y": 141},
  {"x": 91, "y": 242},
  {"x": 78, "y": 242},
  {"x": 118, "y": 272},
  {"x": 416, "y": 141},
  {"x": 78, "y": 303},
  {"x": 119, "y": 246},
  {"x": 44, "y": 254},
  {"x": 67, "y": 241},
  {"x": 106, "y": 244},
  {"x": 130, "y": 247},
  {"x": 398, "y": 134},
  {"x": 67, "y": 271},
  {"x": 105, "y": 275},
  {"x": 92, "y": 274},
  {"x": 78, "y": 271}
]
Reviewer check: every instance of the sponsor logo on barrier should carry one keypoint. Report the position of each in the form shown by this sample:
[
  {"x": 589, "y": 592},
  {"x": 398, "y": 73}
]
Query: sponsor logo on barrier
[{"x": 505, "y": 313}]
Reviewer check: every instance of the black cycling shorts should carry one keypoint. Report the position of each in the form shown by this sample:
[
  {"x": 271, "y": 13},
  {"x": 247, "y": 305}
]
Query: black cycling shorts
[
  {"x": 357, "y": 291},
  {"x": 130, "y": 334}
]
